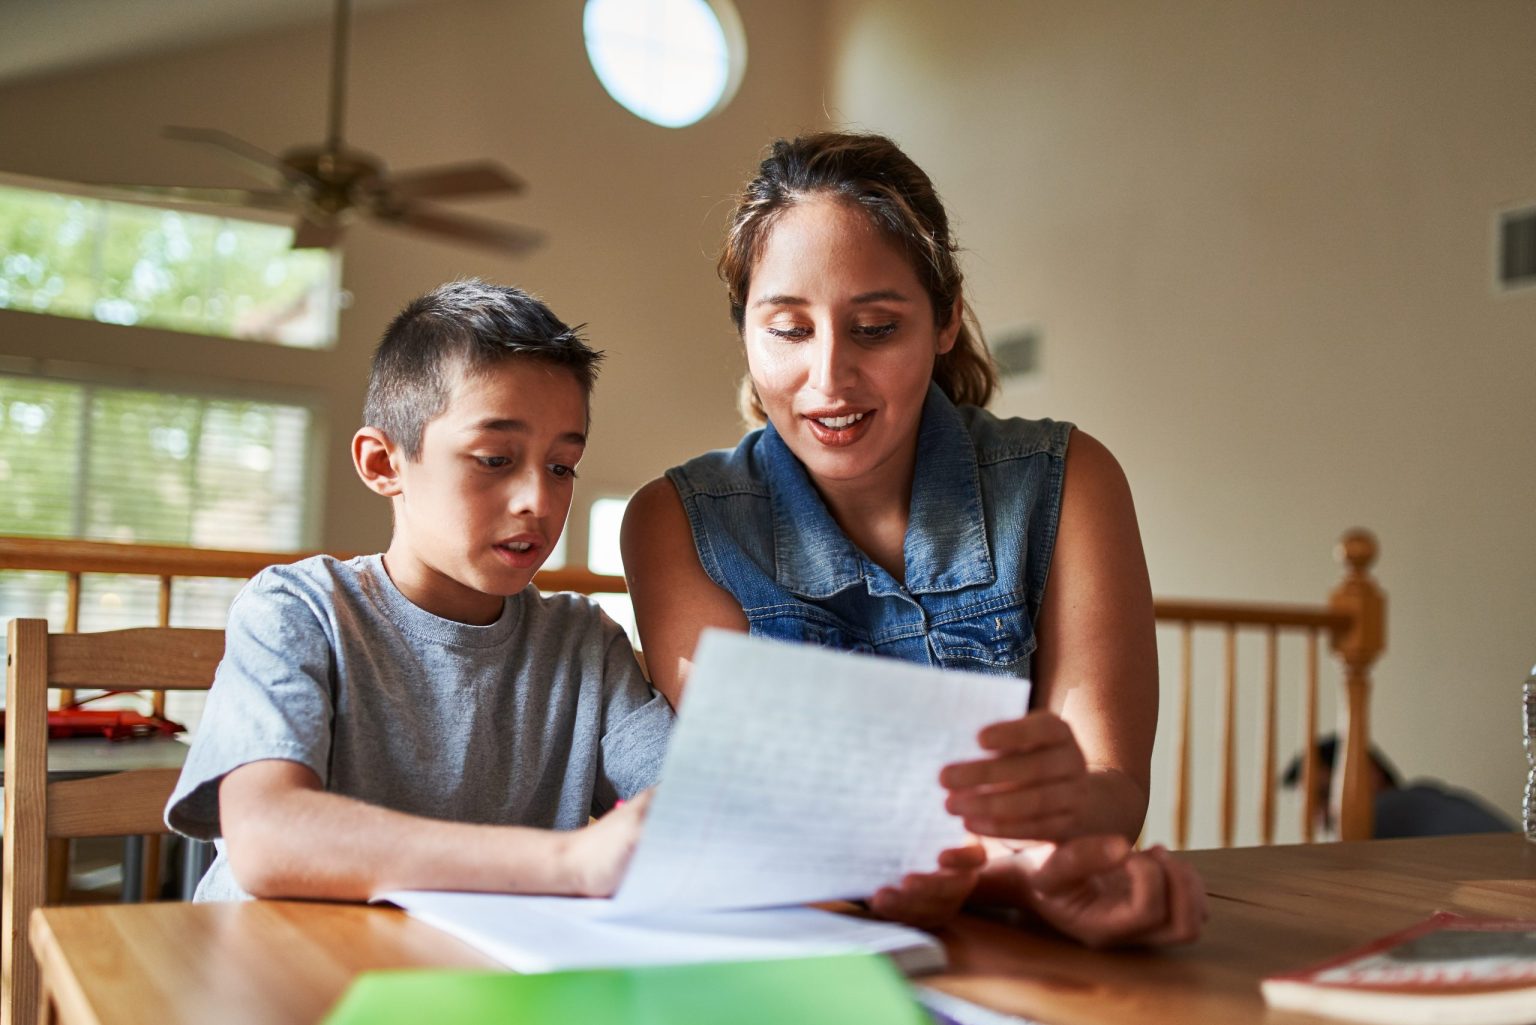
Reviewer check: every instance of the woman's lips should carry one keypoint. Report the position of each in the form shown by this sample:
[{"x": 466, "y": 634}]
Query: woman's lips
[{"x": 822, "y": 429}]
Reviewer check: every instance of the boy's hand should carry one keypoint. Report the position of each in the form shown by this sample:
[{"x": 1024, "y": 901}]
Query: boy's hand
[
  {"x": 1033, "y": 786},
  {"x": 1100, "y": 891},
  {"x": 598, "y": 853},
  {"x": 929, "y": 899}
]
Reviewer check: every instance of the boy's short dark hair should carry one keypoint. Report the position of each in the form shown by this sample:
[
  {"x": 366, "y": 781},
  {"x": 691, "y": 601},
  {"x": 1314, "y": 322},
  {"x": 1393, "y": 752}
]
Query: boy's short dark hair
[{"x": 463, "y": 327}]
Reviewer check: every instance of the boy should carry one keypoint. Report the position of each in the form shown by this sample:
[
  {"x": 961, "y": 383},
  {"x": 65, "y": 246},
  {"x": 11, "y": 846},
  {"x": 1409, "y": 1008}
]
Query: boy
[{"x": 424, "y": 718}]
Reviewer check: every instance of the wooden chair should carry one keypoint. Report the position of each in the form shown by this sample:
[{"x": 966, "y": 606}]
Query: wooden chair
[
  {"x": 119, "y": 804},
  {"x": 1354, "y": 622}
]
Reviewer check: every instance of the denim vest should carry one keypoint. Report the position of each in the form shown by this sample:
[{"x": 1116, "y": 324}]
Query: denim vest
[{"x": 986, "y": 500}]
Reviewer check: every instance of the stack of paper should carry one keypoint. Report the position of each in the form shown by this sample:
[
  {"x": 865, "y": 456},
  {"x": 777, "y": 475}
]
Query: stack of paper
[{"x": 795, "y": 775}]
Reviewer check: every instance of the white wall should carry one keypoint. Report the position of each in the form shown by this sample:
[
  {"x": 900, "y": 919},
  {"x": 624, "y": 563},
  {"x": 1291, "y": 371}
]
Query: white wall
[{"x": 1257, "y": 238}]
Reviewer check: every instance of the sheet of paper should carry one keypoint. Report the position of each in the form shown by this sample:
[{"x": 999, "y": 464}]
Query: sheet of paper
[
  {"x": 798, "y": 774},
  {"x": 541, "y": 934}
]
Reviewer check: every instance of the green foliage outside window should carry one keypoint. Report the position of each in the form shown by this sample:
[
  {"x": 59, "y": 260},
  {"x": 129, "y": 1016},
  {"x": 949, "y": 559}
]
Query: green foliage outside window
[{"x": 120, "y": 263}]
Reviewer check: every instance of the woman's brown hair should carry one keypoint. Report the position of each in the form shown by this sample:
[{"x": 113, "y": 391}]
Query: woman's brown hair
[{"x": 872, "y": 173}]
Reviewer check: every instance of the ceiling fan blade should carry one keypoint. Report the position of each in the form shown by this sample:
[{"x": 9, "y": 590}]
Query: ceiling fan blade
[
  {"x": 308, "y": 234},
  {"x": 264, "y": 165},
  {"x": 508, "y": 238},
  {"x": 473, "y": 178}
]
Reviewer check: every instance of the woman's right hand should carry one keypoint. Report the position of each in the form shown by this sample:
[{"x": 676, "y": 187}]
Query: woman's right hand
[{"x": 597, "y": 854}]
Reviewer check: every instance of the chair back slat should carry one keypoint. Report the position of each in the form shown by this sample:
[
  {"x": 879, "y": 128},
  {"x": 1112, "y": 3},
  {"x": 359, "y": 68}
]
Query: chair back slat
[
  {"x": 122, "y": 804},
  {"x": 144, "y": 658}
]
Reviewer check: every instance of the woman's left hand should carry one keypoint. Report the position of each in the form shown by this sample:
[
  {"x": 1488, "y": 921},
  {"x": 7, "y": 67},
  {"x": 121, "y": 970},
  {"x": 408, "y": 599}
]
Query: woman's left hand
[
  {"x": 1035, "y": 784},
  {"x": 929, "y": 899},
  {"x": 1098, "y": 890}
]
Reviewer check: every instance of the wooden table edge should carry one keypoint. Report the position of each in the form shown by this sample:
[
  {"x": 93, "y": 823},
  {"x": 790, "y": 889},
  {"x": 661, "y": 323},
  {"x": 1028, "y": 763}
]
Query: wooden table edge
[{"x": 57, "y": 981}]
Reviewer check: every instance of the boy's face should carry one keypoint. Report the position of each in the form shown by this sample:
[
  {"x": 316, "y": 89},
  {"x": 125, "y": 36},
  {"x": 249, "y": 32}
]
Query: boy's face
[{"x": 482, "y": 507}]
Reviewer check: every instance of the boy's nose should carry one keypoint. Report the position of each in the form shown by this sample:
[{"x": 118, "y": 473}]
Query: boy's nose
[{"x": 531, "y": 495}]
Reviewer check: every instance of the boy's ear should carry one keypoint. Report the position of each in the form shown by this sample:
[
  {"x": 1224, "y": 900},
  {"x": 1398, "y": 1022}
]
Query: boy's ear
[{"x": 377, "y": 461}]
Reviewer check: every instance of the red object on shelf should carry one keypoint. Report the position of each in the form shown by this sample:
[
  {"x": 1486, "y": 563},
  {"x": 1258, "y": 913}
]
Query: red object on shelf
[{"x": 112, "y": 723}]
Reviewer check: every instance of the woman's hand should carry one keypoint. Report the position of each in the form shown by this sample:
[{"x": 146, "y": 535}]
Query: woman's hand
[
  {"x": 1035, "y": 784},
  {"x": 597, "y": 854},
  {"x": 1098, "y": 890},
  {"x": 929, "y": 899}
]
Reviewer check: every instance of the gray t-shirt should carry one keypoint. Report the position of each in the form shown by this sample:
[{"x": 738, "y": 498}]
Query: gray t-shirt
[{"x": 542, "y": 718}]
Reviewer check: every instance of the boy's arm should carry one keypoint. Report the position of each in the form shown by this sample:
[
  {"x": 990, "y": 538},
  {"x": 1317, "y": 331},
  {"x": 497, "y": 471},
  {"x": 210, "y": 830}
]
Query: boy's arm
[
  {"x": 636, "y": 723},
  {"x": 287, "y": 837}
]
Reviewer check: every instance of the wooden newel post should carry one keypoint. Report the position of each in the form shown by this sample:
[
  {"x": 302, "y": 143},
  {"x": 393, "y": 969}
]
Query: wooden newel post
[{"x": 1358, "y": 647}]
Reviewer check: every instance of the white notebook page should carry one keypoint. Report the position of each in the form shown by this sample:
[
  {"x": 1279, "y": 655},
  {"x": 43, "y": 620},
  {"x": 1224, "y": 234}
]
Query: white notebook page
[{"x": 799, "y": 774}]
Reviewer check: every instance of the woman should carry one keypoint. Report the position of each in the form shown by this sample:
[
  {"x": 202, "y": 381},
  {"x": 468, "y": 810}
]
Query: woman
[{"x": 882, "y": 509}]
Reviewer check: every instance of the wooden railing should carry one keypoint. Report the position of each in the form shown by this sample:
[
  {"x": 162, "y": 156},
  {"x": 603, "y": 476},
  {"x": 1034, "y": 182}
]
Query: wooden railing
[
  {"x": 1352, "y": 620},
  {"x": 168, "y": 563},
  {"x": 1354, "y": 623}
]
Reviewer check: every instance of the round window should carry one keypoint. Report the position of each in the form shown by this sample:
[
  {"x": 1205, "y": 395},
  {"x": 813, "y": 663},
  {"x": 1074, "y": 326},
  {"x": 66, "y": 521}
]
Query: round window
[{"x": 672, "y": 62}]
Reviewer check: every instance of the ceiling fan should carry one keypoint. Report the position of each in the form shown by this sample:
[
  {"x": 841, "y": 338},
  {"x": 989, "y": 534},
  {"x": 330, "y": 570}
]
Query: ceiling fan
[{"x": 329, "y": 185}]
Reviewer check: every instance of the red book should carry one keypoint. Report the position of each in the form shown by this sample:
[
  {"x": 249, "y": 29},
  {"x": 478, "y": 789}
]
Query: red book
[{"x": 1447, "y": 970}]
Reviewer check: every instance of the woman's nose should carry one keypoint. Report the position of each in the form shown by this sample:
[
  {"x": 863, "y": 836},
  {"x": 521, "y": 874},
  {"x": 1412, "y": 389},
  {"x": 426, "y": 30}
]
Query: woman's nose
[{"x": 835, "y": 363}]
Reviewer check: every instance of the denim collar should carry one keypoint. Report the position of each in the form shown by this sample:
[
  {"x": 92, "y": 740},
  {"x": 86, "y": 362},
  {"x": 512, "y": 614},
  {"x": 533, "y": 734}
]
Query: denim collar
[{"x": 946, "y": 545}]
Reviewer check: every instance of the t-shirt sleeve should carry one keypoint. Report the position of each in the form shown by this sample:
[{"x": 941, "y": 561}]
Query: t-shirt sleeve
[
  {"x": 637, "y": 722},
  {"x": 271, "y": 699}
]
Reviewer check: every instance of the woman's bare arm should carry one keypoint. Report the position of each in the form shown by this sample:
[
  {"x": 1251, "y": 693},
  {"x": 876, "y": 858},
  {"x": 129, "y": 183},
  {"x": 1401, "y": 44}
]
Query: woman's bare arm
[
  {"x": 1096, "y": 663},
  {"x": 675, "y": 600}
]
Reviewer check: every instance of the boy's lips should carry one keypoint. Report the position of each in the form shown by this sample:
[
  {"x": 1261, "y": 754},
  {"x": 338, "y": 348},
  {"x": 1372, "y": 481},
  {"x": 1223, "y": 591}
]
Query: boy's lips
[{"x": 523, "y": 551}]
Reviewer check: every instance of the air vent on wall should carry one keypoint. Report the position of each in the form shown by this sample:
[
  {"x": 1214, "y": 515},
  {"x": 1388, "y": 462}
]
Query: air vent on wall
[
  {"x": 1017, "y": 351},
  {"x": 1517, "y": 248}
]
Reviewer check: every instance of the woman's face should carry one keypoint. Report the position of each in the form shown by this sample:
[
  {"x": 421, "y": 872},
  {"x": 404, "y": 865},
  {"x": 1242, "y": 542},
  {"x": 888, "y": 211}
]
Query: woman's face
[{"x": 841, "y": 342}]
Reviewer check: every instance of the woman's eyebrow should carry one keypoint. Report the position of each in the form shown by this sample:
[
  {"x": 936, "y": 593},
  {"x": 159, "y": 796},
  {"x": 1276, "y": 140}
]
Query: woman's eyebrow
[
  {"x": 883, "y": 295},
  {"x": 782, "y": 300}
]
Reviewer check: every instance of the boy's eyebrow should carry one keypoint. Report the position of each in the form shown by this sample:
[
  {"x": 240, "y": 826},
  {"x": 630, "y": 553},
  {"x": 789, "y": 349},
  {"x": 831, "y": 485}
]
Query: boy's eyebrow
[
  {"x": 881, "y": 295},
  {"x": 523, "y": 427}
]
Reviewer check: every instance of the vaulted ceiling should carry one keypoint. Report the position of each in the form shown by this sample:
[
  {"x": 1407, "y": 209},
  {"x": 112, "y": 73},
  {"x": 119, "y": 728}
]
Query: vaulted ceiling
[{"x": 45, "y": 37}]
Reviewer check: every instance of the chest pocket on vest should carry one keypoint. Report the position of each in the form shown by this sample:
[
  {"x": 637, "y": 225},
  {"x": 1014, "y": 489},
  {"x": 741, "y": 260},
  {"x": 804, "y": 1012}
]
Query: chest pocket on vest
[
  {"x": 996, "y": 642},
  {"x": 810, "y": 629}
]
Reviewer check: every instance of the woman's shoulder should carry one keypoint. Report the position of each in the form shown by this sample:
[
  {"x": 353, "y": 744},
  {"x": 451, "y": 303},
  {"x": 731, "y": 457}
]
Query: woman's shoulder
[
  {"x": 724, "y": 471},
  {"x": 999, "y": 438}
]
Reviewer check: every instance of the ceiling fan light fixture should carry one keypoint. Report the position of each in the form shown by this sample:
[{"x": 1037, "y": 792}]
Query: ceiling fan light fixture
[{"x": 329, "y": 185}]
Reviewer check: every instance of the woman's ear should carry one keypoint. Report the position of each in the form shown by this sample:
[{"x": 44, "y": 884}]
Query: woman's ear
[
  {"x": 951, "y": 330},
  {"x": 377, "y": 461}
]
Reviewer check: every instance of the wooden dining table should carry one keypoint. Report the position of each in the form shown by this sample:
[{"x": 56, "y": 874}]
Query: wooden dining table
[{"x": 1271, "y": 909}]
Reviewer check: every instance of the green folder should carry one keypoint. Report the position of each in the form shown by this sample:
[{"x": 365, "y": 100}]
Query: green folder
[{"x": 844, "y": 989}]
